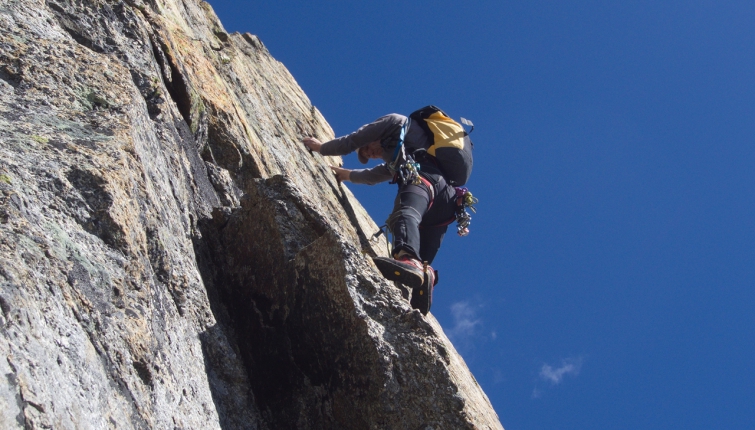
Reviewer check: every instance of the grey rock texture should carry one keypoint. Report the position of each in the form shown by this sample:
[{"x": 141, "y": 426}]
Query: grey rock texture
[{"x": 172, "y": 257}]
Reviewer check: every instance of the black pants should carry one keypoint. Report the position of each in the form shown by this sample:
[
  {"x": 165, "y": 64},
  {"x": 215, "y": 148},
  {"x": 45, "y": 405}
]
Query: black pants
[{"x": 416, "y": 226}]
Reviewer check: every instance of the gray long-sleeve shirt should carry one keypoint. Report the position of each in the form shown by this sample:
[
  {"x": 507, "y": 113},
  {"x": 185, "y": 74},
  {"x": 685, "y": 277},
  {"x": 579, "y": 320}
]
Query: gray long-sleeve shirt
[{"x": 386, "y": 129}]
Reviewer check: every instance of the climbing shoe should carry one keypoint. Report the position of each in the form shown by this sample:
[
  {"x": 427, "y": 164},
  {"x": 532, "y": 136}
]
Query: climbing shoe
[
  {"x": 422, "y": 296},
  {"x": 406, "y": 270}
]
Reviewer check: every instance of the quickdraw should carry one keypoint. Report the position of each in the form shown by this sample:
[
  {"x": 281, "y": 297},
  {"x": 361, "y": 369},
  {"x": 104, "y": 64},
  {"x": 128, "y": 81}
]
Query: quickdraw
[
  {"x": 408, "y": 172},
  {"x": 464, "y": 200}
]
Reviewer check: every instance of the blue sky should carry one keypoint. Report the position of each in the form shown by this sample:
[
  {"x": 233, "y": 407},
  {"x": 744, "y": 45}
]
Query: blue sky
[{"x": 608, "y": 279}]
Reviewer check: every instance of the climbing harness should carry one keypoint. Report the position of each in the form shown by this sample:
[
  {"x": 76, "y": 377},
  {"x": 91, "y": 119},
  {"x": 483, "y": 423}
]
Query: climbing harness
[{"x": 464, "y": 200}]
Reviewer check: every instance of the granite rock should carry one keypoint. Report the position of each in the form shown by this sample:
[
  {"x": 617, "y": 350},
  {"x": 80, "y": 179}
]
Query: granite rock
[{"x": 170, "y": 254}]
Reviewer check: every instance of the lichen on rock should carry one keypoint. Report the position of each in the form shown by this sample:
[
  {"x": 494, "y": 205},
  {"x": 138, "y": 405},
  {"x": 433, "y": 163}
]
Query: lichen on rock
[{"x": 170, "y": 254}]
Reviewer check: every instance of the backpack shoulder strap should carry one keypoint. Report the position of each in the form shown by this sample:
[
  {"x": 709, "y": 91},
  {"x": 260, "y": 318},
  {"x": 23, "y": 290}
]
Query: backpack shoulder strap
[{"x": 399, "y": 153}]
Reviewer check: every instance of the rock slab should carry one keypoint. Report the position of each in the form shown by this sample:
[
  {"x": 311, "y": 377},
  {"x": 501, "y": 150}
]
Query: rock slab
[{"x": 172, "y": 257}]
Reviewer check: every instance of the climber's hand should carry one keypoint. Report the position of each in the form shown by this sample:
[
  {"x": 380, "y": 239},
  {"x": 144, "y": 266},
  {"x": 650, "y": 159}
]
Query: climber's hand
[
  {"x": 341, "y": 173},
  {"x": 312, "y": 143}
]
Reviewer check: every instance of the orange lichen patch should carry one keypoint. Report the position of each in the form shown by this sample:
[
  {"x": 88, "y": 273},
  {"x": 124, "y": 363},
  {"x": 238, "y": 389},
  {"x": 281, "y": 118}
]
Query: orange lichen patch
[{"x": 209, "y": 91}]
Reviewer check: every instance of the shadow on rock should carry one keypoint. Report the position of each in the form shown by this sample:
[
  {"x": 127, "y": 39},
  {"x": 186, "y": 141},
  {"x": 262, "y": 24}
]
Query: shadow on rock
[{"x": 276, "y": 276}]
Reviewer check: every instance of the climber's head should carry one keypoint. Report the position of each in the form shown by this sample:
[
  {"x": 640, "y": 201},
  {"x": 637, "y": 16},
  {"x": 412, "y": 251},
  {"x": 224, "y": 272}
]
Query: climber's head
[{"x": 372, "y": 150}]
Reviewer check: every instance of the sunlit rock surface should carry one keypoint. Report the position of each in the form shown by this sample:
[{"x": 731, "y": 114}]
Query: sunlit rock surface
[{"x": 171, "y": 256}]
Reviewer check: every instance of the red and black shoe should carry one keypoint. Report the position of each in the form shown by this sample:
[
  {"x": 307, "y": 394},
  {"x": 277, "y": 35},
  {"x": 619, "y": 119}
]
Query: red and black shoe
[
  {"x": 406, "y": 270},
  {"x": 422, "y": 296}
]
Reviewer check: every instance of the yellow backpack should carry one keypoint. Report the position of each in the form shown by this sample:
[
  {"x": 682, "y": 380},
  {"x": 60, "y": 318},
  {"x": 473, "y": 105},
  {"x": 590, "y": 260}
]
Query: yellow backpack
[{"x": 451, "y": 146}]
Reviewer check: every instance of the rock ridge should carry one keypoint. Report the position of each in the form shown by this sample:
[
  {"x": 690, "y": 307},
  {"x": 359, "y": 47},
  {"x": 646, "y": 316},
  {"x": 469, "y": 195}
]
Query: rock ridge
[{"x": 170, "y": 254}]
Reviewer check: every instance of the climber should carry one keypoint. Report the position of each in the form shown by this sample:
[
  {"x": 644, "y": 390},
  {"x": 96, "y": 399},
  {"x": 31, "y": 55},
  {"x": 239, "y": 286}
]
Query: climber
[{"x": 423, "y": 207}]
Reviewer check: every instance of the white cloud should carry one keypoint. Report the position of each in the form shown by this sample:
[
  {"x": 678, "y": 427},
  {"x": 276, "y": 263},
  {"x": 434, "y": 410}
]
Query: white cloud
[
  {"x": 569, "y": 366},
  {"x": 465, "y": 320},
  {"x": 536, "y": 393}
]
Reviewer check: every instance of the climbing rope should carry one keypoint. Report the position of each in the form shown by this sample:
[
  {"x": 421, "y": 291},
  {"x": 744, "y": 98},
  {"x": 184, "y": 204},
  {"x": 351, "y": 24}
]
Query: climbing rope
[{"x": 384, "y": 229}]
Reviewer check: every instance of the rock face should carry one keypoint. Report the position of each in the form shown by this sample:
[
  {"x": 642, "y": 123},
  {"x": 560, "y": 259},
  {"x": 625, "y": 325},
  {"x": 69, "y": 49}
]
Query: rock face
[{"x": 170, "y": 254}]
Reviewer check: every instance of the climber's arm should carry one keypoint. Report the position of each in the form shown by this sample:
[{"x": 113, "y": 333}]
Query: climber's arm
[
  {"x": 375, "y": 175},
  {"x": 379, "y": 129},
  {"x": 372, "y": 176}
]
